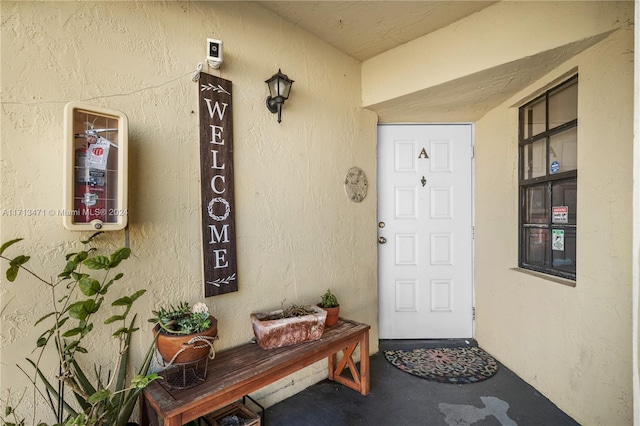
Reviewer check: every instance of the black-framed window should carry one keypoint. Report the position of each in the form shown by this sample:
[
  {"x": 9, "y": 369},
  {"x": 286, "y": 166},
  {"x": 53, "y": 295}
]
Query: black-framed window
[{"x": 548, "y": 181}]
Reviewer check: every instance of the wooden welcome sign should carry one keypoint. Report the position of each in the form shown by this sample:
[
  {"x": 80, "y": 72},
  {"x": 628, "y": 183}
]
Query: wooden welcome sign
[{"x": 216, "y": 172}]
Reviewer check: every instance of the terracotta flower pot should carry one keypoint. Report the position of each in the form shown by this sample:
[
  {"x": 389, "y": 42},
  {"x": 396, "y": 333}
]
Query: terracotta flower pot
[
  {"x": 189, "y": 347},
  {"x": 332, "y": 316}
]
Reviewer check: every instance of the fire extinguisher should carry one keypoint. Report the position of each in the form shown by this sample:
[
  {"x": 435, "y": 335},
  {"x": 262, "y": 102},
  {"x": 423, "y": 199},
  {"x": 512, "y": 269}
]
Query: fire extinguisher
[{"x": 90, "y": 192}]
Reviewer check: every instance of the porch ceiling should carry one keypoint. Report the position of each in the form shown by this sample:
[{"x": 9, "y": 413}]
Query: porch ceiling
[{"x": 363, "y": 29}]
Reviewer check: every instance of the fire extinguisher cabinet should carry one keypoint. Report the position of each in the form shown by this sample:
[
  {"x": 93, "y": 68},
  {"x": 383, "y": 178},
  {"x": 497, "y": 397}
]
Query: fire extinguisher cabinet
[{"x": 95, "y": 168}]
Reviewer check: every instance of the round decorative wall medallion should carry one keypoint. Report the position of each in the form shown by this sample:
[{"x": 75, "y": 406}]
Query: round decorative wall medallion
[{"x": 355, "y": 184}]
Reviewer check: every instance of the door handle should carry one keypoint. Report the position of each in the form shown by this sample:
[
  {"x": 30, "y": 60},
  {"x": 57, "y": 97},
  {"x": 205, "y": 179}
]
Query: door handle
[{"x": 382, "y": 240}]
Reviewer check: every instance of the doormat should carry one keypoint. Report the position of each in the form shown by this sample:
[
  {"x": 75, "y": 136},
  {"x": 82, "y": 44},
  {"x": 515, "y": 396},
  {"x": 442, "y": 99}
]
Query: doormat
[{"x": 445, "y": 365}]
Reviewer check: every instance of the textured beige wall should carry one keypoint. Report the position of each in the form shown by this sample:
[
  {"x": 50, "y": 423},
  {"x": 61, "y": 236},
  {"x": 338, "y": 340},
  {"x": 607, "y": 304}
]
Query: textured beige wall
[
  {"x": 297, "y": 233},
  {"x": 572, "y": 344}
]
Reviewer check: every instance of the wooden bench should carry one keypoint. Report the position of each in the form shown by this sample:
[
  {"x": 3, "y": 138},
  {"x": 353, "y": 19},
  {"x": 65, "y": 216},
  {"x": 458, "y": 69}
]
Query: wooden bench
[{"x": 244, "y": 369}]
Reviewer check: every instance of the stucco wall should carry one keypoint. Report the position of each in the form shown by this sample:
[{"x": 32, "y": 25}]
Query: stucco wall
[
  {"x": 572, "y": 343},
  {"x": 297, "y": 233}
]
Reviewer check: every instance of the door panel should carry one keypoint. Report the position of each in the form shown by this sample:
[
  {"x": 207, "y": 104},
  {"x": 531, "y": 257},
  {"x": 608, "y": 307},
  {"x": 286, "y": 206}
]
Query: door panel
[{"x": 425, "y": 212}]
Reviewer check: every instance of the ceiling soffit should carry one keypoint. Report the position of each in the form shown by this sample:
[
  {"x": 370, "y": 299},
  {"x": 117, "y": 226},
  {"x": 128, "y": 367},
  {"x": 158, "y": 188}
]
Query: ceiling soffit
[
  {"x": 363, "y": 29},
  {"x": 468, "y": 98}
]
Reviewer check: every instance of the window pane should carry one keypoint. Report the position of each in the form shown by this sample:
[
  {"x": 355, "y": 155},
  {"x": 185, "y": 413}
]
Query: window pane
[
  {"x": 534, "y": 119},
  {"x": 564, "y": 202},
  {"x": 563, "y": 151},
  {"x": 564, "y": 250},
  {"x": 536, "y": 205},
  {"x": 534, "y": 159},
  {"x": 536, "y": 247},
  {"x": 563, "y": 105}
]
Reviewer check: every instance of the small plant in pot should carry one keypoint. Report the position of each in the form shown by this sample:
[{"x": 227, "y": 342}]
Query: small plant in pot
[
  {"x": 185, "y": 334},
  {"x": 329, "y": 302}
]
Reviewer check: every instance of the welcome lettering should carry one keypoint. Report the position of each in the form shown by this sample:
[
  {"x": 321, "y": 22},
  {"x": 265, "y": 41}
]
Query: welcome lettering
[{"x": 216, "y": 169}]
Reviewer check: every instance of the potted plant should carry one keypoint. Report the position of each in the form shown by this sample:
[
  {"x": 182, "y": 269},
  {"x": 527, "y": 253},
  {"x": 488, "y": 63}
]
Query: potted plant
[
  {"x": 329, "y": 302},
  {"x": 78, "y": 293},
  {"x": 289, "y": 326},
  {"x": 185, "y": 334}
]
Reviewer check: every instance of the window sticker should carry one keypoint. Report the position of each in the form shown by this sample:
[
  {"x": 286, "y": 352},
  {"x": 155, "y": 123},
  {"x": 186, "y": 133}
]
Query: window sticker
[
  {"x": 560, "y": 214},
  {"x": 555, "y": 167},
  {"x": 557, "y": 242}
]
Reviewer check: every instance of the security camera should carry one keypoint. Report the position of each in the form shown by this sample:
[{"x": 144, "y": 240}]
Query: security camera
[{"x": 214, "y": 53}]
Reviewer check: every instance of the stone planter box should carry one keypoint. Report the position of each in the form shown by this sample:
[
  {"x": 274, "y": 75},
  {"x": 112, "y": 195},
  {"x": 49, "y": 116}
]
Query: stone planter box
[{"x": 275, "y": 333}]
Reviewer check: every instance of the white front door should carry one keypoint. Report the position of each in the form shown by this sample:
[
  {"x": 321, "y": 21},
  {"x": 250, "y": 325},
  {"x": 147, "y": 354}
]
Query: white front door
[{"x": 425, "y": 230}]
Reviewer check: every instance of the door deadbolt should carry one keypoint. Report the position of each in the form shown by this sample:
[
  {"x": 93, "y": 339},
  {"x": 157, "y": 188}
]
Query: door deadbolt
[
  {"x": 382, "y": 240},
  {"x": 381, "y": 225}
]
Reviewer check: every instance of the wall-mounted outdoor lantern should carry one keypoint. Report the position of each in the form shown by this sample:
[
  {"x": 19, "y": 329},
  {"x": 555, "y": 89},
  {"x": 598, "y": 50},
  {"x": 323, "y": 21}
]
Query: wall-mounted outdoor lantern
[{"x": 279, "y": 89}]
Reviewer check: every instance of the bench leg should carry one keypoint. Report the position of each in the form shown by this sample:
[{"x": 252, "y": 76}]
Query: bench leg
[
  {"x": 360, "y": 381},
  {"x": 365, "y": 382}
]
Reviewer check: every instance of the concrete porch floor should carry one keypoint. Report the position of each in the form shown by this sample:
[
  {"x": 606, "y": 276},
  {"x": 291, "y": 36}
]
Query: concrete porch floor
[{"x": 400, "y": 399}]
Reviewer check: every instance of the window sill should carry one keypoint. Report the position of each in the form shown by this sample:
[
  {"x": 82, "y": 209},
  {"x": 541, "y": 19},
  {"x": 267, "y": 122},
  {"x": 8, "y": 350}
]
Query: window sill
[{"x": 559, "y": 280}]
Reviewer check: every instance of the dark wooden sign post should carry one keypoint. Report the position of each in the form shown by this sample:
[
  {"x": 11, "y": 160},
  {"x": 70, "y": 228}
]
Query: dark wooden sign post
[{"x": 216, "y": 172}]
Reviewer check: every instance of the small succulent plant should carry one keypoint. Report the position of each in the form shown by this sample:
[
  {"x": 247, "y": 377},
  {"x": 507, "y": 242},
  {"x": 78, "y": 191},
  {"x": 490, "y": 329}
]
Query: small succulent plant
[
  {"x": 328, "y": 300},
  {"x": 182, "y": 319}
]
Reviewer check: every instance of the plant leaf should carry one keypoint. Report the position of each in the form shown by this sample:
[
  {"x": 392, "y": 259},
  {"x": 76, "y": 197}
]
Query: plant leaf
[
  {"x": 119, "y": 255},
  {"x": 68, "y": 269},
  {"x": 120, "y": 331},
  {"x": 81, "y": 310},
  {"x": 114, "y": 319},
  {"x": 123, "y": 301},
  {"x": 12, "y": 273},
  {"x": 89, "y": 286},
  {"x": 73, "y": 332},
  {"x": 105, "y": 288},
  {"x": 81, "y": 256},
  {"x": 137, "y": 294},
  {"x": 14, "y": 266},
  {"x": 72, "y": 346},
  {"x": 97, "y": 262},
  {"x": 77, "y": 276},
  {"x": 101, "y": 395},
  {"x": 141, "y": 382},
  {"x": 9, "y": 244},
  {"x": 84, "y": 383},
  {"x": 86, "y": 330},
  {"x": 44, "y": 318}
]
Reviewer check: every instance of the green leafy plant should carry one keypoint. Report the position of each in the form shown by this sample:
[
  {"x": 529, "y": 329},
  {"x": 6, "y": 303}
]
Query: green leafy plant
[
  {"x": 77, "y": 295},
  {"x": 182, "y": 319},
  {"x": 328, "y": 300}
]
